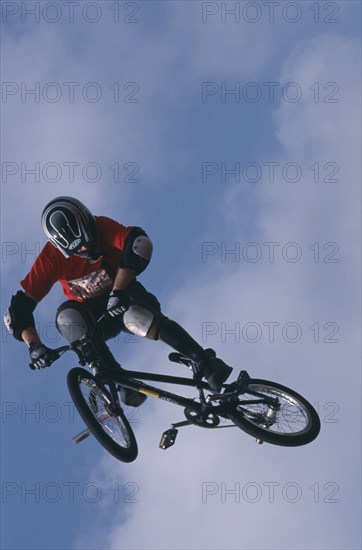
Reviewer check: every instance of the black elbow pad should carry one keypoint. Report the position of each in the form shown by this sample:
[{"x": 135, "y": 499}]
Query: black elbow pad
[
  {"x": 137, "y": 251},
  {"x": 19, "y": 316}
]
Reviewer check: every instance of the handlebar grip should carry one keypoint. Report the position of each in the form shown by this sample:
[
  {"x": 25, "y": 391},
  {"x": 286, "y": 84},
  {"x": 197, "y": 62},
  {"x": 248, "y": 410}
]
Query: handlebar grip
[{"x": 55, "y": 356}]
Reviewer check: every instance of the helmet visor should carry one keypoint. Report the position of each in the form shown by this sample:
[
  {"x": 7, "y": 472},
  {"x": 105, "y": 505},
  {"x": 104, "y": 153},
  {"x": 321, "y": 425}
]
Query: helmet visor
[{"x": 67, "y": 233}]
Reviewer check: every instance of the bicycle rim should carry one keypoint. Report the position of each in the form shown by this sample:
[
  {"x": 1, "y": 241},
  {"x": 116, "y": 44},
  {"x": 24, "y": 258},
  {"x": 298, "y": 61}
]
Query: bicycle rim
[
  {"x": 93, "y": 402},
  {"x": 292, "y": 421}
]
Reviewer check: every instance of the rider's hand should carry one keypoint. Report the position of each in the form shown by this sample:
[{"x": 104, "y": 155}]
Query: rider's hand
[
  {"x": 118, "y": 303},
  {"x": 108, "y": 325},
  {"x": 41, "y": 356}
]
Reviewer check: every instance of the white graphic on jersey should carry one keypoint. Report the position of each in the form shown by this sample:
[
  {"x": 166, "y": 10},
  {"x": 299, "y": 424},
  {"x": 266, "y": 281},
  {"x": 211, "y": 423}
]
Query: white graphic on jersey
[{"x": 92, "y": 285}]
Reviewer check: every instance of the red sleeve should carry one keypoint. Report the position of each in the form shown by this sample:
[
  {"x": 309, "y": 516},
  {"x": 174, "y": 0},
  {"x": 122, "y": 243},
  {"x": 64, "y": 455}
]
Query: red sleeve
[
  {"x": 45, "y": 271},
  {"x": 112, "y": 232}
]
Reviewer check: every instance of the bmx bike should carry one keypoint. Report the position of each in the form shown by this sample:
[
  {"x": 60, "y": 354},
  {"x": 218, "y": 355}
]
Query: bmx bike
[{"x": 268, "y": 411}]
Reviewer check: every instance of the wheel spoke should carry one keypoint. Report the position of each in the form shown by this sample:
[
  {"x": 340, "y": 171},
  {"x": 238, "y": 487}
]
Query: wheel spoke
[
  {"x": 290, "y": 418},
  {"x": 98, "y": 403},
  {"x": 104, "y": 418}
]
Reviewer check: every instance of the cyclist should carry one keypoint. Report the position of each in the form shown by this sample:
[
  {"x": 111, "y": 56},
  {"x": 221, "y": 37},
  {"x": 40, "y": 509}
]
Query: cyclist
[{"x": 96, "y": 260}]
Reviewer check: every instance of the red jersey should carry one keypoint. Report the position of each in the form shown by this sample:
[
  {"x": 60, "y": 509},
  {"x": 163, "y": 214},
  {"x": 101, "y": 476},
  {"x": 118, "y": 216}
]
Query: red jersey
[{"x": 80, "y": 278}]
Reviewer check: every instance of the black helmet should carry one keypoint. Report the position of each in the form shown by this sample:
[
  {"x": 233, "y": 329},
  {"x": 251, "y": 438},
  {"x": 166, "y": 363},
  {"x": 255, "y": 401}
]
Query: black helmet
[{"x": 69, "y": 226}]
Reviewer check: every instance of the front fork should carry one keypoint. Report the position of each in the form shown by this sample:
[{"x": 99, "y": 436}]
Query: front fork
[{"x": 114, "y": 406}]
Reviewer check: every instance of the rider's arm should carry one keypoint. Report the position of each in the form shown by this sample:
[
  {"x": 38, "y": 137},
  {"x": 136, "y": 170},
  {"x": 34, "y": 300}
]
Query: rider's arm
[
  {"x": 135, "y": 257},
  {"x": 45, "y": 271},
  {"x": 19, "y": 318},
  {"x": 133, "y": 243},
  {"x": 136, "y": 254},
  {"x": 123, "y": 278},
  {"x": 30, "y": 336}
]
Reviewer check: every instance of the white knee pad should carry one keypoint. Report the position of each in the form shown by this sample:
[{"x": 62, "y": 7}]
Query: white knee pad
[
  {"x": 73, "y": 323},
  {"x": 140, "y": 321}
]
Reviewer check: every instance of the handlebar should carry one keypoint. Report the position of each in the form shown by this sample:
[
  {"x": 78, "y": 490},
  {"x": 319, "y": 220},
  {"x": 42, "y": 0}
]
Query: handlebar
[
  {"x": 58, "y": 352},
  {"x": 74, "y": 346}
]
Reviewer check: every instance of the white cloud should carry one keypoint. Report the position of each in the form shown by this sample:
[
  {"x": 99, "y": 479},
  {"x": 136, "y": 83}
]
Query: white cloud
[{"x": 171, "y": 513}]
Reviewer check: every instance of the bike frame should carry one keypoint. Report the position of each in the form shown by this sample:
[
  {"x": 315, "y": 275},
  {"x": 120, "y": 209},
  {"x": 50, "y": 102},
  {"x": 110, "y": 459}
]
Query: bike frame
[
  {"x": 134, "y": 380},
  {"x": 108, "y": 379},
  {"x": 128, "y": 379}
]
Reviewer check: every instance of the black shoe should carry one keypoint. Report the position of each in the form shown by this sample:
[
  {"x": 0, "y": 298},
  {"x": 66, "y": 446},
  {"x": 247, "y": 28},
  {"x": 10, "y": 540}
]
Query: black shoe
[
  {"x": 216, "y": 373},
  {"x": 132, "y": 398}
]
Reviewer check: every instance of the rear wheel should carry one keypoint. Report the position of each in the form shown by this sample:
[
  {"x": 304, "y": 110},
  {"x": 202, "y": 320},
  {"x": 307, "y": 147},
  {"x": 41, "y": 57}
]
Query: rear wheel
[
  {"x": 276, "y": 414},
  {"x": 94, "y": 406}
]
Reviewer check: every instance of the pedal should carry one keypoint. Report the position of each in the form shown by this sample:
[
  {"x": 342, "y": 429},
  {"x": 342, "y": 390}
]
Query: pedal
[
  {"x": 168, "y": 438},
  {"x": 243, "y": 382}
]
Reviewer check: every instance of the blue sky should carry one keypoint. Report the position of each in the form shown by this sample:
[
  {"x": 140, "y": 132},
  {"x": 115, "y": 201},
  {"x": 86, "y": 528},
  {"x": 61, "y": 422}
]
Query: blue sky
[{"x": 283, "y": 498}]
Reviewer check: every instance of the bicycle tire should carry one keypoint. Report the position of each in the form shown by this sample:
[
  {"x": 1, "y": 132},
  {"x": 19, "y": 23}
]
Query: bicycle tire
[
  {"x": 249, "y": 421},
  {"x": 75, "y": 379}
]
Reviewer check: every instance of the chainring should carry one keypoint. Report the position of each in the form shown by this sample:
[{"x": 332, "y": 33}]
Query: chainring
[{"x": 211, "y": 421}]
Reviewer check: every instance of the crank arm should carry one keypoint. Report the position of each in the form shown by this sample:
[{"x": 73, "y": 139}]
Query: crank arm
[{"x": 180, "y": 424}]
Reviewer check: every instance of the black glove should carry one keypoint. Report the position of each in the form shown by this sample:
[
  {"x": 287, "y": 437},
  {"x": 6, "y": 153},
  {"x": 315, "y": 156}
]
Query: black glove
[
  {"x": 41, "y": 356},
  {"x": 118, "y": 303},
  {"x": 108, "y": 324}
]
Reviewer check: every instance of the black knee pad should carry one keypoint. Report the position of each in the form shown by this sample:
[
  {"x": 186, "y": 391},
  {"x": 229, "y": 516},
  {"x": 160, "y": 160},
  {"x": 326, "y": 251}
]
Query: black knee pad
[{"x": 73, "y": 320}]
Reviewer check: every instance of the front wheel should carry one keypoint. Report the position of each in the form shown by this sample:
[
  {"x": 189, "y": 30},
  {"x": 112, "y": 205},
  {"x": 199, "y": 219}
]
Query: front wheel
[
  {"x": 93, "y": 403},
  {"x": 276, "y": 414}
]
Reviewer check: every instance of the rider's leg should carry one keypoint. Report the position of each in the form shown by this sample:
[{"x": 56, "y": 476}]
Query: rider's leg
[
  {"x": 214, "y": 369},
  {"x": 74, "y": 320},
  {"x": 144, "y": 318}
]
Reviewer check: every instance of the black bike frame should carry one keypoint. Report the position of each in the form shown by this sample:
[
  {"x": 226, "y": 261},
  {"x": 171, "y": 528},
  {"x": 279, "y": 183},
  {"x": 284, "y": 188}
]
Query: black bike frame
[{"x": 126, "y": 379}]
